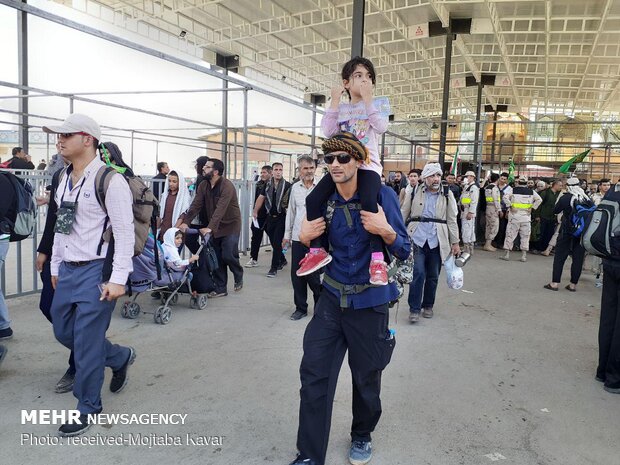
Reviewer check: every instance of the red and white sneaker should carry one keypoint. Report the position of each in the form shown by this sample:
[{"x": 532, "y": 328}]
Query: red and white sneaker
[
  {"x": 312, "y": 262},
  {"x": 378, "y": 273}
]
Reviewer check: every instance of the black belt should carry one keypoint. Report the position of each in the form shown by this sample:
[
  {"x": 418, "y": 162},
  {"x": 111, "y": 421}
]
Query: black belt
[
  {"x": 87, "y": 262},
  {"x": 277, "y": 215}
]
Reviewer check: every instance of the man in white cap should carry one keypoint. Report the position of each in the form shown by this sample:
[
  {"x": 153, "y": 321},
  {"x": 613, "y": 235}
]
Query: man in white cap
[
  {"x": 520, "y": 204},
  {"x": 469, "y": 205},
  {"x": 86, "y": 290},
  {"x": 434, "y": 234}
]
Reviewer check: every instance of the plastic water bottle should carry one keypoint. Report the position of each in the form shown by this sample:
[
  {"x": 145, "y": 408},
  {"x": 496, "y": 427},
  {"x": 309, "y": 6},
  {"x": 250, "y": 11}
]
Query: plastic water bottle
[{"x": 284, "y": 250}]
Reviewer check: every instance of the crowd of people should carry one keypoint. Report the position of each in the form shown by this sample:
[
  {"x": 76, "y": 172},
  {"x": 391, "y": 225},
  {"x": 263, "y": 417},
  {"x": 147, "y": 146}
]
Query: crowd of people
[{"x": 345, "y": 230}]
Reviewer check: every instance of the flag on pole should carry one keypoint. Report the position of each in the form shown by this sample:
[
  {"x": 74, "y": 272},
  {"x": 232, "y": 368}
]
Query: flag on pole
[
  {"x": 511, "y": 171},
  {"x": 454, "y": 167},
  {"x": 576, "y": 159}
]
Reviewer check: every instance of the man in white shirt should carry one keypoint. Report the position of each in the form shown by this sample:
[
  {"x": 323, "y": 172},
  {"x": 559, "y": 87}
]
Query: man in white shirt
[
  {"x": 294, "y": 216},
  {"x": 85, "y": 297}
]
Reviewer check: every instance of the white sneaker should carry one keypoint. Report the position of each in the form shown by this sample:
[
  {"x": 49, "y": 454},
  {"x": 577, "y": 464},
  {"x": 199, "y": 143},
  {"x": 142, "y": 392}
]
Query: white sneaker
[{"x": 252, "y": 263}]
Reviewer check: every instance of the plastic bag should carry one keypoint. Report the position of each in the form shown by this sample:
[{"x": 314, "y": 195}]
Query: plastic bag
[{"x": 454, "y": 274}]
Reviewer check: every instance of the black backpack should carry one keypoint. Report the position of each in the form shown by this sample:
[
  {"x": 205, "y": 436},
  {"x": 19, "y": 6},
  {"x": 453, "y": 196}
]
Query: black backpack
[
  {"x": 601, "y": 236},
  {"x": 22, "y": 224}
]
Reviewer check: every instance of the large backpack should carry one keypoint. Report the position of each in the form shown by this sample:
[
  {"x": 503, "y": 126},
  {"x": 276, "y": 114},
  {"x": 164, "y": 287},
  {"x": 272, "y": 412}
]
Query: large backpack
[
  {"x": 580, "y": 215},
  {"x": 601, "y": 236},
  {"x": 399, "y": 271},
  {"x": 22, "y": 225},
  {"x": 145, "y": 207}
]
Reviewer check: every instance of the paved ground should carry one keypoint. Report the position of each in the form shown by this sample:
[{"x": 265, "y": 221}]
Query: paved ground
[{"x": 504, "y": 373}]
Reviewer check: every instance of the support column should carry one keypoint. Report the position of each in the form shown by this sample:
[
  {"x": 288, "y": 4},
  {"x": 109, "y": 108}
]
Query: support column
[
  {"x": 382, "y": 148},
  {"x": 357, "y": 35},
  {"x": 493, "y": 138},
  {"x": 478, "y": 161},
  {"x": 313, "y": 136},
  {"x": 446, "y": 95},
  {"x": 225, "y": 123},
  {"x": 22, "y": 61},
  {"x": 410, "y": 155},
  {"x": 131, "y": 159}
]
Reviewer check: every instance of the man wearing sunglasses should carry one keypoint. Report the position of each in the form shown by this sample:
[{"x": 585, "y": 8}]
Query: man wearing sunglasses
[
  {"x": 351, "y": 314},
  {"x": 84, "y": 295}
]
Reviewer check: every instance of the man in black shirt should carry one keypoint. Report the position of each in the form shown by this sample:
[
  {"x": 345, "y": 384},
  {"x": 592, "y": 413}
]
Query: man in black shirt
[
  {"x": 160, "y": 178},
  {"x": 275, "y": 196},
  {"x": 261, "y": 217},
  {"x": 20, "y": 160}
]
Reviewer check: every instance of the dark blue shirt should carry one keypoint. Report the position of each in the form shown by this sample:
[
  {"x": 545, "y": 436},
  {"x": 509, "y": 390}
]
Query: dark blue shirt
[{"x": 351, "y": 249}]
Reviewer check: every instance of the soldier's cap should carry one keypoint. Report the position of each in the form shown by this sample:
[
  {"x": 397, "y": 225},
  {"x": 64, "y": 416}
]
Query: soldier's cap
[
  {"x": 76, "y": 123},
  {"x": 346, "y": 142},
  {"x": 470, "y": 173}
]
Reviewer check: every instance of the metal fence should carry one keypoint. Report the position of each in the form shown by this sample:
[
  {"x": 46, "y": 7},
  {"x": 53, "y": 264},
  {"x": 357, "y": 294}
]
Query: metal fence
[{"x": 19, "y": 277}]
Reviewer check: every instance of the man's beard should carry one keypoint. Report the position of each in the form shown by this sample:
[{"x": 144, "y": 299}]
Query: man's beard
[{"x": 209, "y": 176}]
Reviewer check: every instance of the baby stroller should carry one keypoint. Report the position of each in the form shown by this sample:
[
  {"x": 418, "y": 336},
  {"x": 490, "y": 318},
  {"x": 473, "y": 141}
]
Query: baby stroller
[{"x": 172, "y": 283}]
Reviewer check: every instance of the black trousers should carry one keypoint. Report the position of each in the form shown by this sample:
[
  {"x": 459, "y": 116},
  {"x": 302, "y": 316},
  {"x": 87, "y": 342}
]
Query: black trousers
[
  {"x": 274, "y": 227},
  {"x": 301, "y": 283},
  {"x": 369, "y": 185},
  {"x": 501, "y": 234},
  {"x": 227, "y": 251},
  {"x": 192, "y": 241},
  {"x": 609, "y": 329},
  {"x": 568, "y": 245},
  {"x": 45, "y": 302},
  {"x": 257, "y": 237},
  {"x": 547, "y": 228},
  {"x": 331, "y": 332}
]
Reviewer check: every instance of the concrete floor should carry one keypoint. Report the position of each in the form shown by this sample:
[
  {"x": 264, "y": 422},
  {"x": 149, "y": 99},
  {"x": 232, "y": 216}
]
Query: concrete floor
[{"x": 504, "y": 373}]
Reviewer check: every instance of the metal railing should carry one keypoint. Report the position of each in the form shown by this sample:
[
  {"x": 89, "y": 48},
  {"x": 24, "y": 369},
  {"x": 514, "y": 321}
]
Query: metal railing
[{"x": 19, "y": 276}]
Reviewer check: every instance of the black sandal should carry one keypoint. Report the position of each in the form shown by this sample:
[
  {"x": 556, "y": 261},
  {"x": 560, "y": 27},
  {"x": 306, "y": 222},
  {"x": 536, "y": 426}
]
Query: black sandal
[
  {"x": 568, "y": 288},
  {"x": 548, "y": 286}
]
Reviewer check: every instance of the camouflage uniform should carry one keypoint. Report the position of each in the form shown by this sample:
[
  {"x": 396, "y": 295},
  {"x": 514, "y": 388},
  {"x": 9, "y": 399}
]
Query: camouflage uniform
[
  {"x": 494, "y": 207},
  {"x": 520, "y": 202},
  {"x": 469, "y": 204}
]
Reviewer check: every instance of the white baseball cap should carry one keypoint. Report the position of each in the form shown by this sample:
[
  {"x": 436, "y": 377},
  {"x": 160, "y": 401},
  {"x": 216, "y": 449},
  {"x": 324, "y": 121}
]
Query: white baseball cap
[{"x": 75, "y": 123}]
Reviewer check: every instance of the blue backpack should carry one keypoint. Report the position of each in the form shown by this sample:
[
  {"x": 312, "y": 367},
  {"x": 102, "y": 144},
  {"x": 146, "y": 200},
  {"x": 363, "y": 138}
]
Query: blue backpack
[{"x": 580, "y": 217}]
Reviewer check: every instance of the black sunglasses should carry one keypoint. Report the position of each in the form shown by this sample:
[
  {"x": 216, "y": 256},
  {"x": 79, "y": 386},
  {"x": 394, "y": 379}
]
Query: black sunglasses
[{"x": 342, "y": 159}]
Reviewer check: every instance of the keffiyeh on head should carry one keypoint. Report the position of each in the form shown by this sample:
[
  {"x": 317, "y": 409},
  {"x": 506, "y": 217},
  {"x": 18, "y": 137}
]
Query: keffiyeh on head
[
  {"x": 572, "y": 187},
  {"x": 346, "y": 142},
  {"x": 430, "y": 169}
]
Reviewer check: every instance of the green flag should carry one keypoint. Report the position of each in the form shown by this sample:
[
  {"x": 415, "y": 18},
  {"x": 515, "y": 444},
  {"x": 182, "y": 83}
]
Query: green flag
[
  {"x": 511, "y": 171},
  {"x": 455, "y": 163},
  {"x": 576, "y": 159}
]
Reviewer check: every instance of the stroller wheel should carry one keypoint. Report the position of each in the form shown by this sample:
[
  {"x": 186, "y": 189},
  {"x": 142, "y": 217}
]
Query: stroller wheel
[
  {"x": 162, "y": 315},
  {"x": 193, "y": 302},
  {"x": 202, "y": 302},
  {"x": 124, "y": 312},
  {"x": 174, "y": 300},
  {"x": 132, "y": 310}
]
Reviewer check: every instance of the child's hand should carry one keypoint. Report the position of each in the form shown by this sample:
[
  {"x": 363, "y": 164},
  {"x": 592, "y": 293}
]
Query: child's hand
[
  {"x": 366, "y": 91},
  {"x": 337, "y": 92},
  {"x": 193, "y": 258}
]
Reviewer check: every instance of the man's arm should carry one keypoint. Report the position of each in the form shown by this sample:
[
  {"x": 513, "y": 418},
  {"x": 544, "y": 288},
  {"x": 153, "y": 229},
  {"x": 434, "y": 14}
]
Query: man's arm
[
  {"x": 496, "y": 199},
  {"x": 291, "y": 213},
  {"x": 451, "y": 214},
  {"x": 388, "y": 223},
  {"x": 118, "y": 202},
  {"x": 195, "y": 207},
  {"x": 227, "y": 193}
]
